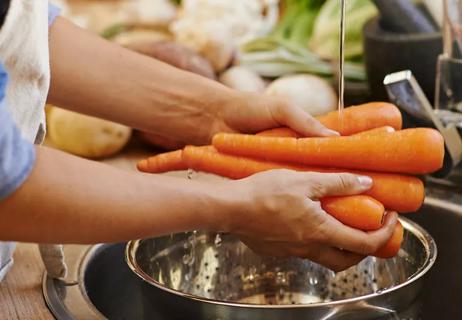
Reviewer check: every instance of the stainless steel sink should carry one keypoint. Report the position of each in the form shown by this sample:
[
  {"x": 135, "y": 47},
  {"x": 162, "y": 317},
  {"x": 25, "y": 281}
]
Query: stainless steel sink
[{"x": 100, "y": 285}]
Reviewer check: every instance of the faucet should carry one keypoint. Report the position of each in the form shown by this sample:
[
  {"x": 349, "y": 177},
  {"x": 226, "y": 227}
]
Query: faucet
[
  {"x": 446, "y": 115},
  {"x": 404, "y": 91}
]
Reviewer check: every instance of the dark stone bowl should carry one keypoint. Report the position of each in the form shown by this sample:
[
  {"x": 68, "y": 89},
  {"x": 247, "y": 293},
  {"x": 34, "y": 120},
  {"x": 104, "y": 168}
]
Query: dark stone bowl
[{"x": 388, "y": 52}]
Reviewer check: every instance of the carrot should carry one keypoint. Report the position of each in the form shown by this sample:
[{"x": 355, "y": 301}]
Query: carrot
[
  {"x": 380, "y": 130},
  {"x": 360, "y": 212},
  {"x": 279, "y": 132},
  {"x": 417, "y": 151},
  {"x": 391, "y": 248},
  {"x": 396, "y": 192},
  {"x": 289, "y": 133},
  {"x": 229, "y": 166},
  {"x": 363, "y": 117},
  {"x": 164, "y": 162},
  {"x": 354, "y": 120}
]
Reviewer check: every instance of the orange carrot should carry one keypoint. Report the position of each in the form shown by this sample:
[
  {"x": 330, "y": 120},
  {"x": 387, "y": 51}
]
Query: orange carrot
[
  {"x": 363, "y": 117},
  {"x": 396, "y": 192},
  {"x": 381, "y": 130},
  {"x": 171, "y": 161},
  {"x": 229, "y": 166},
  {"x": 360, "y": 212},
  {"x": 418, "y": 151},
  {"x": 354, "y": 120},
  {"x": 164, "y": 162},
  {"x": 279, "y": 132},
  {"x": 391, "y": 248},
  {"x": 289, "y": 133}
]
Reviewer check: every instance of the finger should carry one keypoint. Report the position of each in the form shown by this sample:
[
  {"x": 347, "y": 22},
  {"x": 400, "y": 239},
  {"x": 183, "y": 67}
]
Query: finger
[
  {"x": 302, "y": 122},
  {"x": 335, "y": 259},
  {"x": 336, "y": 234},
  {"x": 337, "y": 184},
  {"x": 332, "y": 258},
  {"x": 265, "y": 248}
]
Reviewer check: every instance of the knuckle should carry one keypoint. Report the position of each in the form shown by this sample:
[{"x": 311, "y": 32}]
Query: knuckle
[
  {"x": 317, "y": 189},
  {"x": 344, "y": 181}
]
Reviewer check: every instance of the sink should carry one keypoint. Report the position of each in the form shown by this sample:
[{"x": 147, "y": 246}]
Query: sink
[
  {"x": 100, "y": 285},
  {"x": 442, "y": 297}
]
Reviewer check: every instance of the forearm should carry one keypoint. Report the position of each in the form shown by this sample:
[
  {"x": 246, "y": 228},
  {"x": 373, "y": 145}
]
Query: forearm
[
  {"x": 70, "y": 200},
  {"x": 96, "y": 77}
]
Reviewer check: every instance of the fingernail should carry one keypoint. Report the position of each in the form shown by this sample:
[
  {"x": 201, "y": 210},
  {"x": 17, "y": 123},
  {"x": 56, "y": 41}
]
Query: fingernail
[
  {"x": 331, "y": 133},
  {"x": 365, "y": 181}
]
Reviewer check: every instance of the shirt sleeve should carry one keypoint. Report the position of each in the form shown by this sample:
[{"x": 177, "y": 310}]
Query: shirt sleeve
[
  {"x": 17, "y": 156},
  {"x": 53, "y": 13}
]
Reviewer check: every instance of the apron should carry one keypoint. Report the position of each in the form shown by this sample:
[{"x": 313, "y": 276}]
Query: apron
[{"x": 24, "y": 53}]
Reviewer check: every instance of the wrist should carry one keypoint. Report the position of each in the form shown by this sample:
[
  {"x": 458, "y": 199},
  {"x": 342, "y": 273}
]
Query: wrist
[{"x": 228, "y": 204}]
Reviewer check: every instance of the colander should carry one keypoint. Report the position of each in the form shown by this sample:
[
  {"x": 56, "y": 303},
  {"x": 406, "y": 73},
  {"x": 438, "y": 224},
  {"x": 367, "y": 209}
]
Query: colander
[{"x": 210, "y": 276}]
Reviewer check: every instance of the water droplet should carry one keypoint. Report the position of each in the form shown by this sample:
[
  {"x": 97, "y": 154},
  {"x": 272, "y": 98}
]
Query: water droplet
[
  {"x": 188, "y": 259},
  {"x": 281, "y": 278},
  {"x": 281, "y": 293},
  {"x": 218, "y": 241}
]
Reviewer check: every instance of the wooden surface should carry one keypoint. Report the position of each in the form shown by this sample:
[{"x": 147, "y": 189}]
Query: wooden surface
[{"x": 20, "y": 293}]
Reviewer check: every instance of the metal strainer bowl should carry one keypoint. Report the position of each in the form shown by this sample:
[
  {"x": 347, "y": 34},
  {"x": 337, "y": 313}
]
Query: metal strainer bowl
[{"x": 200, "y": 275}]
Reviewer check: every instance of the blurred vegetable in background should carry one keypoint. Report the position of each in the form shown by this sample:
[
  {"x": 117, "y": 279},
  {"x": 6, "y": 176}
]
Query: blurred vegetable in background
[
  {"x": 274, "y": 58},
  {"x": 326, "y": 34},
  {"x": 297, "y": 23},
  {"x": 306, "y": 40},
  {"x": 313, "y": 94},
  {"x": 85, "y": 136},
  {"x": 214, "y": 28}
]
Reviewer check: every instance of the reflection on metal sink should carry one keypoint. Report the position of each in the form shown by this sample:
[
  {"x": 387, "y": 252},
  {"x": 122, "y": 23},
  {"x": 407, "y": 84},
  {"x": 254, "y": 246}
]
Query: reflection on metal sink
[{"x": 102, "y": 286}]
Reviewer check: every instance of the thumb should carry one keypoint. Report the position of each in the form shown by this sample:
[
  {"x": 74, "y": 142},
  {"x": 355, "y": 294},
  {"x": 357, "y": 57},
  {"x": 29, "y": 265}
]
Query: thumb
[
  {"x": 305, "y": 124},
  {"x": 338, "y": 184}
]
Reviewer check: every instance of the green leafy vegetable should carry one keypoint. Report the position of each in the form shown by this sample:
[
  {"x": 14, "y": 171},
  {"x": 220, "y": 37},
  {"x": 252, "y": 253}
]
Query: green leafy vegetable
[
  {"x": 297, "y": 24},
  {"x": 306, "y": 40},
  {"x": 270, "y": 57}
]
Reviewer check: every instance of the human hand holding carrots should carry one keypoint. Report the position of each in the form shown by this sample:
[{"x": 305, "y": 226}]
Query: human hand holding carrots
[
  {"x": 373, "y": 144},
  {"x": 282, "y": 215}
]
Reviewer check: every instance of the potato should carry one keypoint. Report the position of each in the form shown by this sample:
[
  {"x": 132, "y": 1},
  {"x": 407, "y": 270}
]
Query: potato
[
  {"x": 85, "y": 136},
  {"x": 176, "y": 55}
]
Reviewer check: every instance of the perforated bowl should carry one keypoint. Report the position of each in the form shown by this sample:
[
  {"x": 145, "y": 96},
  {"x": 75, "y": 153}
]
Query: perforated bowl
[{"x": 200, "y": 275}]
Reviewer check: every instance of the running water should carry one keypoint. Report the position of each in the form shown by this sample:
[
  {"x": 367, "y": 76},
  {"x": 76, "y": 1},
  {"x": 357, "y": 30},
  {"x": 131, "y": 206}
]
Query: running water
[{"x": 341, "y": 87}]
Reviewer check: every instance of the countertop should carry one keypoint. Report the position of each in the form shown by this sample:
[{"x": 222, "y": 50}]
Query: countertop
[{"x": 20, "y": 293}]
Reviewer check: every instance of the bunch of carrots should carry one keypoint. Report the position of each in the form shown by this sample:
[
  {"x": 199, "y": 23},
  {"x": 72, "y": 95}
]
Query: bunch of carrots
[{"x": 371, "y": 143}]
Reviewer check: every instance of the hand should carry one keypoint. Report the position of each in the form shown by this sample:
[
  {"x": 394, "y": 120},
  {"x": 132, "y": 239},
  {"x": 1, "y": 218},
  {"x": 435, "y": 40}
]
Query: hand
[
  {"x": 283, "y": 217},
  {"x": 244, "y": 113},
  {"x": 250, "y": 112}
]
